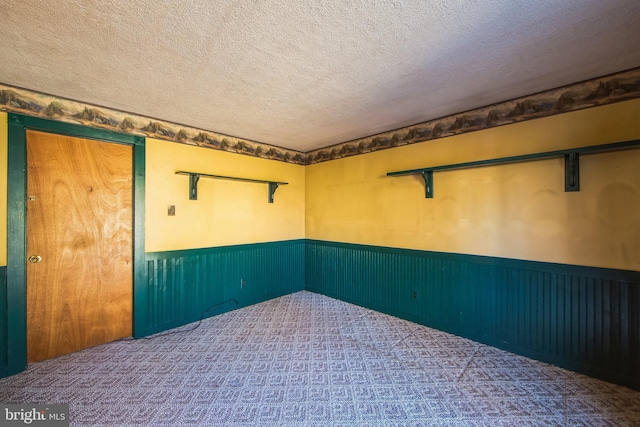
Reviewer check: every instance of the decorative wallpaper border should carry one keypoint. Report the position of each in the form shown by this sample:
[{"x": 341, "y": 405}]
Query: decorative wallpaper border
[
  {"x": 23, "y": 101},
  {"x": 617, "y": 87}
]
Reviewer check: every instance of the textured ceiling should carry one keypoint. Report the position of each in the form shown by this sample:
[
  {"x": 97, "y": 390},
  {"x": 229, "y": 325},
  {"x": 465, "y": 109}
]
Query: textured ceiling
[{"x": 309, "y": 74}]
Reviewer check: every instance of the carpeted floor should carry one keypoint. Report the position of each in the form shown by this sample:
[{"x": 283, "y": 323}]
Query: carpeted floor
[{"x": 308, "y": 360}]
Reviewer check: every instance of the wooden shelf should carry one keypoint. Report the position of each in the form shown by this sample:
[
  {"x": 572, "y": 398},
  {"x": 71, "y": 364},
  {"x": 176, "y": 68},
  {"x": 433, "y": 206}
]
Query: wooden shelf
[
  {"x": 571, "y": 159},
  {"x": 194, "y": 177}
]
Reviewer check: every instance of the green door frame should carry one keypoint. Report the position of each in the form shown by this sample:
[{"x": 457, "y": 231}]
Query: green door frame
[{"x": 16, "y": 308}]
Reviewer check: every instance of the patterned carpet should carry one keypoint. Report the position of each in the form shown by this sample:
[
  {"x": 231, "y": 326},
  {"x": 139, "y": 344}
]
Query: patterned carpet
[{"x": 308, "y": 360}]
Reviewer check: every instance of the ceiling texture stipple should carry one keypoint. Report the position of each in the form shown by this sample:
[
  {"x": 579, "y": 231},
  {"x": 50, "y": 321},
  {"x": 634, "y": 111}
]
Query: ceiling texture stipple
[{"x": 304, "y": 75}]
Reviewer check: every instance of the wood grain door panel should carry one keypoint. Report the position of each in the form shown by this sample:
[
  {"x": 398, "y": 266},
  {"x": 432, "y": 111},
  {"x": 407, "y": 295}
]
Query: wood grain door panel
[{"x": 79, "y": 221}]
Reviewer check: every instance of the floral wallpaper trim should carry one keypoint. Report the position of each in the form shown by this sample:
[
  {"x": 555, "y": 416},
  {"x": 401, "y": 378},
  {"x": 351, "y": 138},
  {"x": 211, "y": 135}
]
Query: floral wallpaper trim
[
  {"x": 617, "y": 87},
  {"x": 37, "y": 104}
]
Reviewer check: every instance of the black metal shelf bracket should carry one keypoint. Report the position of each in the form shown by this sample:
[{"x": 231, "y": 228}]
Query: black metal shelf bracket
[
  {"x": 427, "y": 175},
  {"x": 571, "y": 163},
  {"x": 193, "y": 186},
  {"x": 194, "y": 177},
  {"x": 572, "y": 172},
  {"x": 273, "y": 186}
]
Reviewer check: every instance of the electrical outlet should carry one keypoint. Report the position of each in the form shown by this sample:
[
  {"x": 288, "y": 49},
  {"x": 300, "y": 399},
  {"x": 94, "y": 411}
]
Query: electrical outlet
[
  {"x": 243, "y": 283},
  {"x": 414, "y": 294}
]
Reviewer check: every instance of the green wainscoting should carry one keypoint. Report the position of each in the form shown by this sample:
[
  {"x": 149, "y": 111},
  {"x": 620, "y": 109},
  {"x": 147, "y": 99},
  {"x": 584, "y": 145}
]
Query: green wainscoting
[
  {"x": 3, "y": 322},
  {"x": 182, "y": 286},
  {"x": 580, "y": 318}
]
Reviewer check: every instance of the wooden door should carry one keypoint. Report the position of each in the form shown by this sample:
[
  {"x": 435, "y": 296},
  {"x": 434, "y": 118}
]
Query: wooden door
[{"x": 79, "y": 243}]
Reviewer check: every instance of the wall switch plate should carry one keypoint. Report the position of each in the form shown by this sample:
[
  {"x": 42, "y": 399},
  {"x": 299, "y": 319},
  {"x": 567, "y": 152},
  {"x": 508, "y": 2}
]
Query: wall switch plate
[{"x": 172, "y": 210}]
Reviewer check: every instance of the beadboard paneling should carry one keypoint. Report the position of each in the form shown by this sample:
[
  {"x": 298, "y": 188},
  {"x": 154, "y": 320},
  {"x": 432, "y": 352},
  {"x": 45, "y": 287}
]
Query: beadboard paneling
[
  {"x": 581, "y": 318},
  {"x": 182, "y": 286},
  {"x": 4, "y": 345}
]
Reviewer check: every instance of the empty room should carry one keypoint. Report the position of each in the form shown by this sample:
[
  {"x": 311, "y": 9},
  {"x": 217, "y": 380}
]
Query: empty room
[{"x": 311, "y": 213}]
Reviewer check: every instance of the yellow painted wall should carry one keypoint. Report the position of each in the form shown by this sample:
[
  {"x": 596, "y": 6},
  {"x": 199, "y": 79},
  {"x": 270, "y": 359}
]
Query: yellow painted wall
[
  {"x": 514, "y": 211},
  {"x": 3, "y": 188},
  {"x": 226, "y": 212}
]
